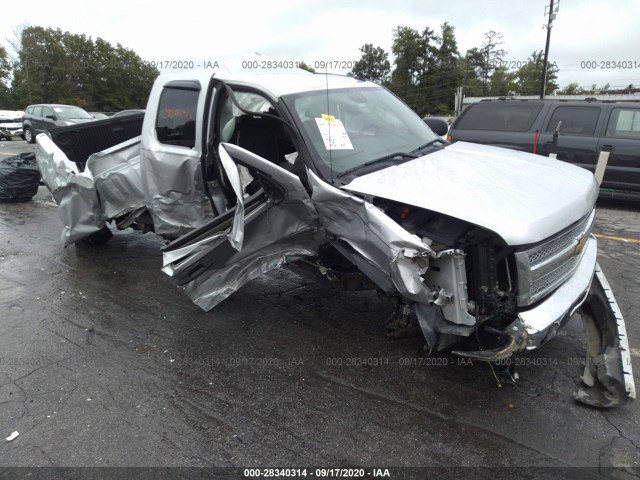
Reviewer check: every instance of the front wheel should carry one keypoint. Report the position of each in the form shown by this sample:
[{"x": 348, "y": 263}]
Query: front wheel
[
  {"x": 28, "y": 135},
  {"x": 101, "y": 237}
]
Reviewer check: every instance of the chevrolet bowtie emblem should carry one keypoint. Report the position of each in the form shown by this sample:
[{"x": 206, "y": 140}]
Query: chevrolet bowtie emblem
[{"x": 581, "y": 243}]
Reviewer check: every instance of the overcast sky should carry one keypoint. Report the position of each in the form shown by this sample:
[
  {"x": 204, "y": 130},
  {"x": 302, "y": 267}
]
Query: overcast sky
[{"x": 585, "y": 30}]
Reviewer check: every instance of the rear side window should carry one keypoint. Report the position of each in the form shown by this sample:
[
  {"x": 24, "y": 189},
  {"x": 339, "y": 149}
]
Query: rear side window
[
  {"x": 503, "y": 116},
  {"x": 575, "y": 120},
  {"x": 37, "y": 111},
  {"x": 624, "y": 122},
  {"x": 176, "y": 122}
]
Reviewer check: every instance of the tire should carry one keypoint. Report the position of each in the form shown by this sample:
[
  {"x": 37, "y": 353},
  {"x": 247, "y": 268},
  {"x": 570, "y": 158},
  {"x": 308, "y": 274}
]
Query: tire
[
  {"x": 29, "y": 136},
  {"x": 101, "y": 237}
]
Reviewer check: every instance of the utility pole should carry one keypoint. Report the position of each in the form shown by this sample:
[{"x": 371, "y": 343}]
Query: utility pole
[{"x": 553, "y": 10}]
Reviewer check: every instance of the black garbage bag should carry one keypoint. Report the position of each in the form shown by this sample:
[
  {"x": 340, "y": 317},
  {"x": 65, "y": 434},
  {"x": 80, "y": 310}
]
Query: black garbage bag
[{"x": 19, "y": 178}]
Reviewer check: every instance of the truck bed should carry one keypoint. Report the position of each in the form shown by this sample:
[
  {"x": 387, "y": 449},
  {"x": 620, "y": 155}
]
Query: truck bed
[{"x": 79, "y": 142}]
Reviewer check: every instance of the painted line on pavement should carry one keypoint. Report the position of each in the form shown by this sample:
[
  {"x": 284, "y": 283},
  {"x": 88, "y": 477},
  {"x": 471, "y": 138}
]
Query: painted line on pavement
[{"x": 619, "y": 239}]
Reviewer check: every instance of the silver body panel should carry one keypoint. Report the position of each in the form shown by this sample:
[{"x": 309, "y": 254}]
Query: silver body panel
[
  {"x": 110, "y": 186},
  {"x": 522, "y": 197},
  {"x": 79, "y": 208}
]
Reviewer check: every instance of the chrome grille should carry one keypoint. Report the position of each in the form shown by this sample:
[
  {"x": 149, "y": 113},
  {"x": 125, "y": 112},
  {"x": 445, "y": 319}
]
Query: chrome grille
[
  {"x": 544, "y": 267},
  {"x": 547, "y": 250},
  {"x": 553, "y": 277}
]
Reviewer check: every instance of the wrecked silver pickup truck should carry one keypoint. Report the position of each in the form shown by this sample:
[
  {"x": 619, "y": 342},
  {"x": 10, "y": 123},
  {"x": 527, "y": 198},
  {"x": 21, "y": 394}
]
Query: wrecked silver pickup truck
[{"x": 487, "y": 251}]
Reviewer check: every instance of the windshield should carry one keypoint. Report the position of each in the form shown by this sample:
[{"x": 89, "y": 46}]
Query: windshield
[
  {"x": 353, "y": 126},
  {"x": 71, "y": 112}
]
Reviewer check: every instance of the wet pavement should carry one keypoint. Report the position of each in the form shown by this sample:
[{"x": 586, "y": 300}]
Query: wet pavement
[{"x": 105, "y": 362}]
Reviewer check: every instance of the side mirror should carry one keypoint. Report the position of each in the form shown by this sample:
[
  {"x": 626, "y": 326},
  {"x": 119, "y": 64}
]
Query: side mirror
[
  {"x": 52, "y": 117},
  {"x": 438, "y": 126}
]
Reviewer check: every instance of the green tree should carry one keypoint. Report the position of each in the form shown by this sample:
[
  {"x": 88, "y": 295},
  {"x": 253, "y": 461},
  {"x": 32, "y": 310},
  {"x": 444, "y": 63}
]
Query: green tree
[
  {"x": 502, "y": 83},
  {"x": 5, "y": 72},
  {"x": 529, "y": 75},
  {"x": 572, "y": 89},
  {"x": 306, "y": 67},
  {"x": 492, "y": 58},
  {"x": 427, "y": 68},
  {"x": 412, "y": 53},
  {"x": 59, "y": 67},
  {"x": 373, "y": 64},
  {"x": 447, "y": 73},
  {"x": 471, "y": 65}
]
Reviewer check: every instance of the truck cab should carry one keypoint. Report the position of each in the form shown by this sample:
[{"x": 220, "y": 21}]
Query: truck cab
[{"x": 486, "y": 251}]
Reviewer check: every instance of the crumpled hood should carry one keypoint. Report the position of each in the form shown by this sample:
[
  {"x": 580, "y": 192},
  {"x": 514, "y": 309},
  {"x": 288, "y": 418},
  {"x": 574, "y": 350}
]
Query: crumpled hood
[{"x": 522, "y": 197}]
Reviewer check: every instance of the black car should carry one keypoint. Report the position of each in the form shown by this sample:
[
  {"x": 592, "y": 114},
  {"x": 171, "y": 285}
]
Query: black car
[
  {"x": 577, "y": 131},
  {"x": 40, "y": 118}
]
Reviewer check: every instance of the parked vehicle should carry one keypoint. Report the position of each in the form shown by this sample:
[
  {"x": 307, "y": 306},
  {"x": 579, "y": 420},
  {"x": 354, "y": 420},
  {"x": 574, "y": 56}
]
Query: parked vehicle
[
  {"x": 124, "y": 113},
  {"x": 584, "y": 129},
  {"x": 438, "y": 125},
  {"x": 99, "y": 115},
  {"x": 11, "y": 124},
  {"x": 40, "y": 118},
  {"x": 335, "y": 174}
]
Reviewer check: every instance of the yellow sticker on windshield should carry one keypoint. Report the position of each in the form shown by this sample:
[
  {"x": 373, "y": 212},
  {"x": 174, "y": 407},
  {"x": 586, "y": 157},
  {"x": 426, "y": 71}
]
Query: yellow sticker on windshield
[{"x": 328, "y": 118}]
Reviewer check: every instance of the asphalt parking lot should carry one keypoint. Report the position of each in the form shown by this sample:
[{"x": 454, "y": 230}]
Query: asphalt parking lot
[{"x": 104, "y": 362}]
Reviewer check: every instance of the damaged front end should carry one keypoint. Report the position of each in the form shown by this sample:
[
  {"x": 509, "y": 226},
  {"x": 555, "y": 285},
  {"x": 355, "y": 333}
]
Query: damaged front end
[
  {"x": 608, "y": 377},
  {"x": 467, "y": 290}
]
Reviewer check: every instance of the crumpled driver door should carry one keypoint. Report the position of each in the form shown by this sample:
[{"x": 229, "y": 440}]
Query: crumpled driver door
[{"x": 274, "y": 226}]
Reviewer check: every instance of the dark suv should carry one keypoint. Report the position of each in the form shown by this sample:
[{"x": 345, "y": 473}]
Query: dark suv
[
  {"x": 585, "y": 128},
  {"x": 40, "y": 118}
]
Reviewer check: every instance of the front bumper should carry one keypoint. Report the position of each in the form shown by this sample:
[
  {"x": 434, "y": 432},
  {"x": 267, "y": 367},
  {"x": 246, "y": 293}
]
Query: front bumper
[
  {"x": 11, "y": 133},
  {"x": 608, "y": 378},
  {"x": 542, "y": 322}
]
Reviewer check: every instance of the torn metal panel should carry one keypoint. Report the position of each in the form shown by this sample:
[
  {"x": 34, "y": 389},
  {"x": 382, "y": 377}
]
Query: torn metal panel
[
  {"x": 79, "y": 208},
  {"x": 381, "y": 278},
  {"x": 210, "y": 289},
  {"x": 173, "y": 190},
  {"x": 221, "y": 232},
  {"x": 275, "y": 230},
  {"x": 386, "y": 246},
  {"x": 234, "y": 175},
  {"x": 608, "y": 376},
  {"x": 117, "y": 178},
  {"x": 394, "y": 259},
  {"x": 55, "y": 168}
]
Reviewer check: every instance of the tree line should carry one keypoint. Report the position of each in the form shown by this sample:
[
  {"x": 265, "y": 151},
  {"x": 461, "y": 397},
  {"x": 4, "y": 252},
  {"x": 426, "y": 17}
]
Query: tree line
[
  {"x": 428, "y": 68},
  {"x": 52, "y": 66}
]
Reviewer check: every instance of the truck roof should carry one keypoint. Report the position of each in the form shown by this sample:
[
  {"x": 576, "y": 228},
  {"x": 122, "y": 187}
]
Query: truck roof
[
  {"x": 586, "y": 101},
  {"x": 278, "y": 83}
]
